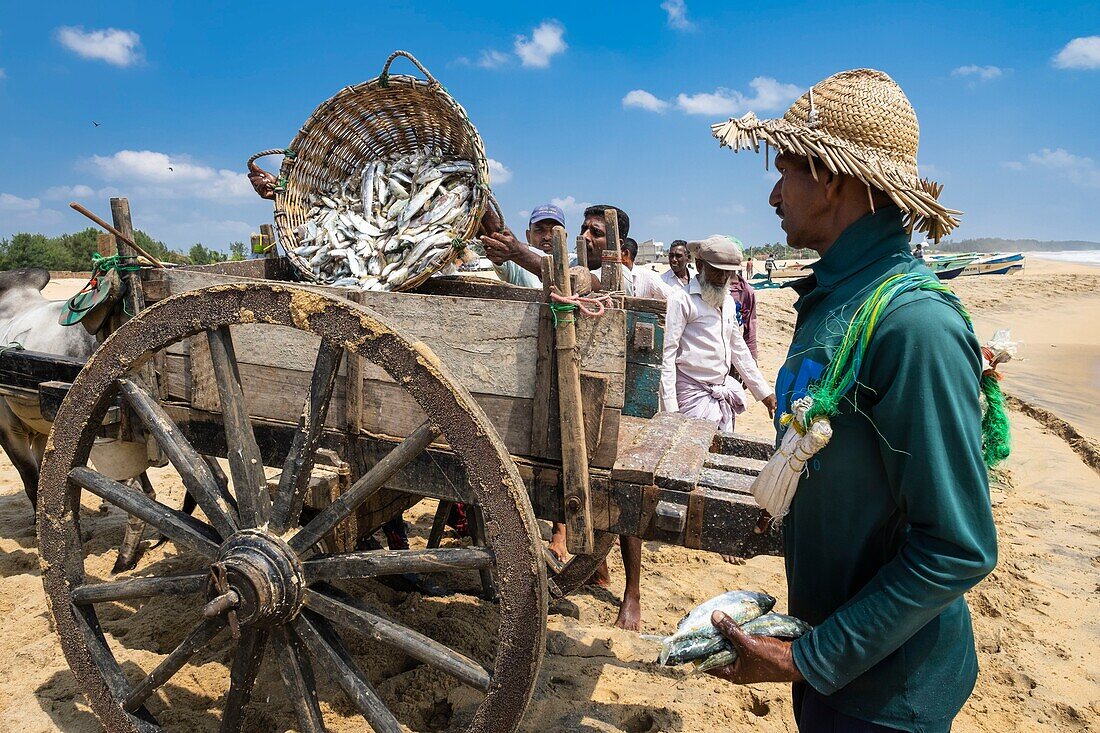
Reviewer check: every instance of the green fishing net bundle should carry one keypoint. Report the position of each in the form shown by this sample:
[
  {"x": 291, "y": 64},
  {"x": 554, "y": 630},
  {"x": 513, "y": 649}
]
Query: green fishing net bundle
[{"x": 841, "y": 374}]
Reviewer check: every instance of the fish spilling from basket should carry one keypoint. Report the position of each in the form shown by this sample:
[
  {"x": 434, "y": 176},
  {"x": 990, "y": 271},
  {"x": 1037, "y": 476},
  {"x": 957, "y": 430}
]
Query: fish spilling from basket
[
  {"x": 389, "y": 223},
  {"x": 699, "y": 641}
]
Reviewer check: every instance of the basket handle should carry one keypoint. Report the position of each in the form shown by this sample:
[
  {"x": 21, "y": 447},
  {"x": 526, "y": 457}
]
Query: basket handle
[
  {"x": 253, "y": 168},
  {"x": 384, "y": 76}
]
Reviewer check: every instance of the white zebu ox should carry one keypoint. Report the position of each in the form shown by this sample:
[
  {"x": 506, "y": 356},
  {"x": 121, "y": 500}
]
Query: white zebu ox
[{"x": 29, "y": 319}]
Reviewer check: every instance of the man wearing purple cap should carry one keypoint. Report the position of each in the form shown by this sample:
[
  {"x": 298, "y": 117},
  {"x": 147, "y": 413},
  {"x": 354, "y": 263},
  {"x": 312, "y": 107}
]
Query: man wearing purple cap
[{"x": 509, "y": 258}]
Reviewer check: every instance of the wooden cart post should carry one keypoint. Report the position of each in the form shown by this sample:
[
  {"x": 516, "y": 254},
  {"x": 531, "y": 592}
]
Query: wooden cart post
[
  {"x": 611, "y": 273},
  {"x": 574, "y": 451}
]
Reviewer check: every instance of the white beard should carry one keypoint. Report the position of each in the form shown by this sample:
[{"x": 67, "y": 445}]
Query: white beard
[{"x": 713, "y": 295}]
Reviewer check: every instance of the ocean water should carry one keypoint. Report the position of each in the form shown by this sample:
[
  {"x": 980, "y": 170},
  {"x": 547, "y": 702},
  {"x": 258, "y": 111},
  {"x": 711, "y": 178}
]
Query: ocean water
[{"x": 1084, "y": 256}]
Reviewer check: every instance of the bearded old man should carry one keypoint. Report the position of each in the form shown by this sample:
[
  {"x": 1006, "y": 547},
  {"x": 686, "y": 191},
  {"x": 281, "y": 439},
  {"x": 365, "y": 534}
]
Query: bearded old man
[
  {"x": 890, "y": 523},
  {"x": 703, "y": 340}
]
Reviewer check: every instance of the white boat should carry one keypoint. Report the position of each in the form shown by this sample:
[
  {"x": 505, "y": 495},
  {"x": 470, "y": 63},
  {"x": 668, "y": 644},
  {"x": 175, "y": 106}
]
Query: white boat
[{"x": 996, "y": 264}]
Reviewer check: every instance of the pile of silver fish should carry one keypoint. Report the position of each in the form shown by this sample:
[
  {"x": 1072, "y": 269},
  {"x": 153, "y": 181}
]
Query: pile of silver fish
[
  {"x": 389, "y": 223},
  {"x": 698, "y": 640}
]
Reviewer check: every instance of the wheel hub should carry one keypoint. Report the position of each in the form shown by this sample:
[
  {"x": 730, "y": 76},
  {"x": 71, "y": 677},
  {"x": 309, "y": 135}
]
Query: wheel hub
[{"x": 257, "y": 579}]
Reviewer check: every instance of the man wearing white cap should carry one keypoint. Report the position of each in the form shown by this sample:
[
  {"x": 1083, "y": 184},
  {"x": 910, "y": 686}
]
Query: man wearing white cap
[{"x": 703, "y": 340}]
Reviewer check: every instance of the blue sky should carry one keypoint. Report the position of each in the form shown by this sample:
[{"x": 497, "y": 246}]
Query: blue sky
[{"x": 580, "y": 102}]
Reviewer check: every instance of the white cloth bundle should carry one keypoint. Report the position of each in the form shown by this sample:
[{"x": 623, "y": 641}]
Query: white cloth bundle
[{"x": 775, "y": 486}]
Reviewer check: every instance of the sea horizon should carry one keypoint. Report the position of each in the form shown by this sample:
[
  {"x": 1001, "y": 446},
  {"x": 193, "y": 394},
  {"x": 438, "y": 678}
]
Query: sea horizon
[{"x": 1082, "y": 256}]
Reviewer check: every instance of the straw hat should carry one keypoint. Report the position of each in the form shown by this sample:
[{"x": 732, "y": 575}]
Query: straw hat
[{"x": 858, "y": 123}]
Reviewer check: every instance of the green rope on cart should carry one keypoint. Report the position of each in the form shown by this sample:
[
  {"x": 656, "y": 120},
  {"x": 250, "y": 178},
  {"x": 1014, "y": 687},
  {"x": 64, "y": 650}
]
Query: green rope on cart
[
  {"x": 556, "y": 308},
  {"x": 114, "y": 262},
  {"x": 843, "y": 371},
  {"x": 11, "y": 346}
]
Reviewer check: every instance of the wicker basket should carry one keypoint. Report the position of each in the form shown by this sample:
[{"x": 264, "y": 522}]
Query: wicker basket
[{"x": 389, "y": 115}]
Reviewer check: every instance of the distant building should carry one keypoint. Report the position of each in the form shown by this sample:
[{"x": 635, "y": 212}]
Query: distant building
[{"x": 650, "y": 252}]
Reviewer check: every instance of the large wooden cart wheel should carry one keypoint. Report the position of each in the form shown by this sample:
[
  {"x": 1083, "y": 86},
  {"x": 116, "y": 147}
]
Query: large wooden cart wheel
[{"x": 259, "y": 589}]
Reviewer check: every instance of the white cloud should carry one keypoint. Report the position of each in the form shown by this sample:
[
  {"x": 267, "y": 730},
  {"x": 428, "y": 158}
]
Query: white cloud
[
  {"x": 642, "y": 99},
  {"x": 570, "y": 206},
  {"x": 57, "y": 193},
  {"x": 3, "y": 74},
  {"x": 491, "y": 59},
  {"x": 984, "y": 73},
  {"x": 1080, "y": 53},
  {"x": 160, "y": 175},
  {"x": 14, "y": 204},
  {"x": 677, "y": 15},
  {"x": 769, "y": 95},
  {"x": 1077, "y": 169},
  {"x": 547, "y": 40},
  {"x": 498, "y": 173},
  {"x": 116, "y": 47},
  {"x": 664, "y": 220}
]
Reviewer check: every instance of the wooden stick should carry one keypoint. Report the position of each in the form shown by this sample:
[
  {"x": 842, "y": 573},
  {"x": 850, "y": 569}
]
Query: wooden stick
[
  {"x": 582, "y": 252},
  {"x": 574, "y": 453},
  {"x": 372, "y": 563},
  {"x": 80, "y": 209},
  {"x": 125, "y": 590},
  {"x": 611, "y": 272}
]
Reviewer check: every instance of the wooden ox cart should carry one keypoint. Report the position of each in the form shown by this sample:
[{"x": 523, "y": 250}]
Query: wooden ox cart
[{"x": 363, "y": 404}]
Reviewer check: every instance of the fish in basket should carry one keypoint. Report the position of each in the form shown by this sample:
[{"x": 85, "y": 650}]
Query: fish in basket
[{"x": 382, "y": 186}]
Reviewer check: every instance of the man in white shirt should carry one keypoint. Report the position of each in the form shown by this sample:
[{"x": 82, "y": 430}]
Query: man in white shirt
[
  {"x": 679, "y": 271},
  {"x": 703, "y": 340},
  {"x": 647, "y": 283}
]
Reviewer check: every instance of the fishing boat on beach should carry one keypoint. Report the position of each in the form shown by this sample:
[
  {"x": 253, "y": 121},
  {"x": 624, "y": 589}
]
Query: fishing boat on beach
[{"x": 996, "y": 264}]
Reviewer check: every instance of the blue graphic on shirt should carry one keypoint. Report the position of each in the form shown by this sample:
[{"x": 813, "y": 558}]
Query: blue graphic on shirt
[
  {"x": 737, "y": 309},
  {"x": 790, "y": 386}
]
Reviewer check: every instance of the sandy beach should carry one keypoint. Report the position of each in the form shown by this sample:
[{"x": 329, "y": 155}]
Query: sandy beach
[{"x": 1036, "y": 618}]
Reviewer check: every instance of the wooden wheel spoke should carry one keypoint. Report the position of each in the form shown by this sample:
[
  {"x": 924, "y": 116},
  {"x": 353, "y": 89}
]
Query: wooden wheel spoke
[
  {"x": 330, "y": 652},
  {"x": 370, "y": 564},
  {"x": 246, "y": 665},
  {"x": 124, "y": 590},
  {"x": 297, "y": 674},
  {"x": 346, "y": 612},
  {"x": 299, "y": 460},
  {"x": 199, "y": 637},
  {"x": 245, "y": 463},
  {"x": 364, "y": 488},
  {"x": 194, "y": 471},
  {"x": 173, "y": 524}
]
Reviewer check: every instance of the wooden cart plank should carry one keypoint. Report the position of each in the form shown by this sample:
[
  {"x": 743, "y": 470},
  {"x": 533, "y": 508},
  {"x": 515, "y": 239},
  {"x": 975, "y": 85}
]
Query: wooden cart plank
[
  {"x": 489, "y": 345},
  {"x": 735, "y": 464},
  {"x": 680, "y": 466},
  {"x": 637, "y": 460}
]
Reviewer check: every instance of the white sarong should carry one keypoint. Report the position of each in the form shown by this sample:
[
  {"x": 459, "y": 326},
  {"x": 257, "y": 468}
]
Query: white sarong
[{"x": 719, "y": 403}]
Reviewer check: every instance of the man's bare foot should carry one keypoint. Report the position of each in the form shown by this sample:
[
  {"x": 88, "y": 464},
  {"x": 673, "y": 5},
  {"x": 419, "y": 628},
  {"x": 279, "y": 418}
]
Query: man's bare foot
[
  {"x": 600, "y": 576},
  {"x": 630, "y": 614}
]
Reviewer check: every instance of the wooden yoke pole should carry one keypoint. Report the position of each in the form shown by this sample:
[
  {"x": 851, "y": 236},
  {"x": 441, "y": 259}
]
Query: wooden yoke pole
[
  {"x": 611, "y": 274},
  {"x": 574, "y": 451},
  {"x": 152, "y": 371}
]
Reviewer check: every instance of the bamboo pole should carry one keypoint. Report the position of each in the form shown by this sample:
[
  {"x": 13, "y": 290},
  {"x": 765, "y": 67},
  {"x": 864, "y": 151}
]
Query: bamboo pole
[{"x": 574, "y": 452}]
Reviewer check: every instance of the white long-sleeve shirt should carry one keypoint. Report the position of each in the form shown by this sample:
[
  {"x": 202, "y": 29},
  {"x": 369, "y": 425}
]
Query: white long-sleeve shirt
[
  {"x": 648, "y": 284},
  {"x": 669, "y": 277},
  {"x": 703, "y": 342}
]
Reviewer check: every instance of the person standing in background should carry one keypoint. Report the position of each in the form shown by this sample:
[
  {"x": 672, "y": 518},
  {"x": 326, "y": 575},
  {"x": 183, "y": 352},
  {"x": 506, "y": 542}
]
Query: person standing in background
[
  {"x": 647, "y": 283},
  {"x": 679, "y": 271}
]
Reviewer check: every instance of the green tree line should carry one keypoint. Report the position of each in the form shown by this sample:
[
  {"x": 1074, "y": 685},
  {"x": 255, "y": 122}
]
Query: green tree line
[
  {"x": 74, "y": 251},
  {"x": 779, "y": 252}
]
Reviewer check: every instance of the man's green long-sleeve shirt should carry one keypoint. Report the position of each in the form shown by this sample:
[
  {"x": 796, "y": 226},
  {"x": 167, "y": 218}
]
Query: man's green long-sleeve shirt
[{"x": 891, "y": 524}]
